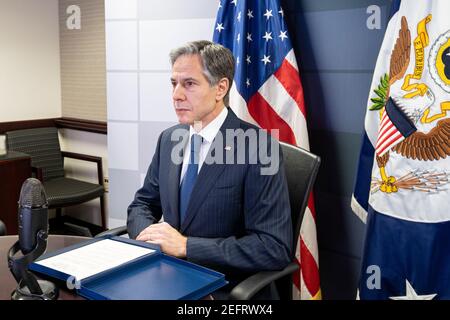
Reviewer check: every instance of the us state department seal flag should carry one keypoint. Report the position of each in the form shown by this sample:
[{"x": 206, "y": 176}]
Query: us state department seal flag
[
  {"x": 267, "y": 92},
  {"x": 403, "y": 180}
]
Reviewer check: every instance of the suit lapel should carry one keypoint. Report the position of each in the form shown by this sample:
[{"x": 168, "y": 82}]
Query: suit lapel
[
  {"x": 208, "y": 174},
  {"x": 174, "y": 185}
]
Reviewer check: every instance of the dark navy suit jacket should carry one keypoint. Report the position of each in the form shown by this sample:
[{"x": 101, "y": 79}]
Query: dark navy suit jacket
[{"x": 237, "y": 221}]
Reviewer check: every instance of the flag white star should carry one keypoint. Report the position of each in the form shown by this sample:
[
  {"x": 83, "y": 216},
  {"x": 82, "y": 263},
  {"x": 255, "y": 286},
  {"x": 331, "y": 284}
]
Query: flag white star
[
  {"x": 220, "y": 27},
  {"x": 237, "y": 60},
  {"x": 238, "y": 37},
  {"x": 268, "y": 14},
  {"x": 250, "y": 14},
  {"x": 247, "y": 82},
  {"x": 248, "y": 59},
  {"x": 249, "y": 37},
  {"x": 234, "y": 2},
  {"x": 412, "y": 295},
  {"x": 268, "y": 36},
  {"x": 281, "y": 12},
  {"x": 266, "y": 59},
  {"x": 239, "y": 16},
  {"x": 283, "y": 35},
  {"x": 220, "y": 6}
]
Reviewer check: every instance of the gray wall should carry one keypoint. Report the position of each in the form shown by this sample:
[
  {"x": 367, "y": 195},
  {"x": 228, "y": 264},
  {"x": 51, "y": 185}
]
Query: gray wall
[{"x": 29, "y": 60}]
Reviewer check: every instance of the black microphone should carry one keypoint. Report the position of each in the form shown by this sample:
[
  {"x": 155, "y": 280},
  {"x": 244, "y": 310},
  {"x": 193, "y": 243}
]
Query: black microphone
[
  {"x": 33, "y": 233},
  {"x": 33, "y": 214}
]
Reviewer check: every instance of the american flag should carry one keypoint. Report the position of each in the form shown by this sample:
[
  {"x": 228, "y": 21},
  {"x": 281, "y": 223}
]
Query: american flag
[{"x": 267, "y": 92}]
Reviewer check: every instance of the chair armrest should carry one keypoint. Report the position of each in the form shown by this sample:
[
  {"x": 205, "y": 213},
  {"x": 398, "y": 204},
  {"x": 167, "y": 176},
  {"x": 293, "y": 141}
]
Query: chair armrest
[
  {"x": 86, "y": 157},
  {"x": 246, "y": 289},
  {"x": 113, "y": 232},
  {"x": 81, "y": 156}
]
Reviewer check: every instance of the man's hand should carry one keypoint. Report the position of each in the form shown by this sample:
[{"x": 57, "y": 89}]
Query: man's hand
[{"x": 171, "y": 241}]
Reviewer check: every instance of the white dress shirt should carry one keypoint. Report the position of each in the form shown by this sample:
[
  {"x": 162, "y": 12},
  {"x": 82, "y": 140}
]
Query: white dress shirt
[{"x": 208, "y": 134}]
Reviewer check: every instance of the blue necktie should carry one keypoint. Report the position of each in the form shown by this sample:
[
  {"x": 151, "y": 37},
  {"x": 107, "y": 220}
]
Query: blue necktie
[{"x": 191, "y": 175}]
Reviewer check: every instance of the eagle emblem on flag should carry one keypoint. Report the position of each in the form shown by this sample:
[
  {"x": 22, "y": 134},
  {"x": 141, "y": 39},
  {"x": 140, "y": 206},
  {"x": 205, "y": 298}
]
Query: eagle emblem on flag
[{"x": 414, "y": 110}]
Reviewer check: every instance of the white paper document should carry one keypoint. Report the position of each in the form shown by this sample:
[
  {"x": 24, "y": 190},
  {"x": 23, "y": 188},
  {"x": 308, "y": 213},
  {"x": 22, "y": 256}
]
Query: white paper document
[{"x": 94, "y": 258}]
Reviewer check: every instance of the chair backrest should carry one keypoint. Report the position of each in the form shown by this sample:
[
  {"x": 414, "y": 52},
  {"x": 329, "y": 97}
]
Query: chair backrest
[
  {"x": 301, "y": 169},
  {"x": 42, "y": 144}
]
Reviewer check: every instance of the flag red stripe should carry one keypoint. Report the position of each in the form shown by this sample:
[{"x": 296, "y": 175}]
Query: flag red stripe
[
  {"x": 395, "y": 136},
  {"x": 398, "y": 136},
  {"x": 311, "y": 205},
  {"x": 385, "y": 139},
  {"x": 384, "y": 119},
  {"x": 384, "y": 136},
  {"x": 268, "y": 119},
  {"x": 309, "y": 269},
  {"x": 385, "y": 130},
  {"x": 290, "y": 79}
]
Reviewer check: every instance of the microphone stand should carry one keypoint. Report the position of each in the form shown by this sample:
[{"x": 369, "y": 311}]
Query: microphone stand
[{"x": 29, "y": 288}]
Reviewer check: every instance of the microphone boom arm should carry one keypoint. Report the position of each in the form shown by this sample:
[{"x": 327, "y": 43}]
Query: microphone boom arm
[{"x": 19, "y": 266}]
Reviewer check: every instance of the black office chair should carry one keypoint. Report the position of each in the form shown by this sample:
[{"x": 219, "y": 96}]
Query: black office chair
[
  {"x": 2, "y": 228},
  {"x": 47, "y": 161},
  {"x": 301, "y": 169}
]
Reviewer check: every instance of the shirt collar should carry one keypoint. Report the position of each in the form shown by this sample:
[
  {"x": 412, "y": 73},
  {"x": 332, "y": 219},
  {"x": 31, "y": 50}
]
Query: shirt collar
[{"x": 209, "y": 132}]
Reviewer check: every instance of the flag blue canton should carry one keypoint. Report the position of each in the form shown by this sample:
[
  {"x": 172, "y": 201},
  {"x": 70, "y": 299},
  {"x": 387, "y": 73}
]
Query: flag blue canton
[{"x": 256, "y": 33}]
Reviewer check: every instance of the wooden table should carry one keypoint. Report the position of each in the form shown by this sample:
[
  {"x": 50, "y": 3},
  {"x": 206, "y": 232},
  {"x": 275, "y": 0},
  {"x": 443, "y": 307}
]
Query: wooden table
[{"x": 7, "y": 281}]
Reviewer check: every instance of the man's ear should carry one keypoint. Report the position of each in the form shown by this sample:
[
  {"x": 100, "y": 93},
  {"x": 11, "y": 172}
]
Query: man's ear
[{"x": 222, "y": 88}]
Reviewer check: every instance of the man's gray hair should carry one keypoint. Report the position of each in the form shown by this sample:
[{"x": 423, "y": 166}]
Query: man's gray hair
[{"x": 217, "y": 61}]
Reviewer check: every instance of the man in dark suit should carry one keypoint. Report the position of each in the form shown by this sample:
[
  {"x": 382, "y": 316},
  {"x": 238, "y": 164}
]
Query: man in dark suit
[{"x": 221, "y": 208}]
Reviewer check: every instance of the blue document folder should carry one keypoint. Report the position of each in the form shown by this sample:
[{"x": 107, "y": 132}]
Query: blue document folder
[{"x": 154, "y": 276}]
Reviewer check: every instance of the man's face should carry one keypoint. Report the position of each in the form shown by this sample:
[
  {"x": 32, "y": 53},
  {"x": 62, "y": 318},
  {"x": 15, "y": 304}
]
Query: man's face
[{"x": 193, "y": 98}]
